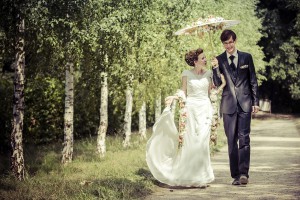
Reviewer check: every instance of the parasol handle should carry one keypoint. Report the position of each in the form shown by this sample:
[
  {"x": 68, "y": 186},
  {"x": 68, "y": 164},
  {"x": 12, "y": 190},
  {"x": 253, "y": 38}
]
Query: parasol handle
[{"x": 211, "y": 43}]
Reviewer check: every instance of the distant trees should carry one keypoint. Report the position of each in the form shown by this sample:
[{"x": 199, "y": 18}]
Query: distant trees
[{"x": 281, "y": 45}]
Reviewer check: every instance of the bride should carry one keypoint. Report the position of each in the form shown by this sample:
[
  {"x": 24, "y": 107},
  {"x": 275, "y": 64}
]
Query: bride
[{"x": 182, "y": 158}]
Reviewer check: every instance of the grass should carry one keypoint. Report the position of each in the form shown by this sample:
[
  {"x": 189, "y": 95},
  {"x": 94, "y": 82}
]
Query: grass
[{"x": 121, "y": 174}]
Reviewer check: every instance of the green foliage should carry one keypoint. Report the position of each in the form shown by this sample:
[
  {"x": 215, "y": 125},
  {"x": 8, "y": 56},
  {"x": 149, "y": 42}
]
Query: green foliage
[
  {"x": 281, "y": 45},
  {"x": 6, "y": 94},
  {"x": 44, "y": 114},
  {"x": 133, "y": 41}
]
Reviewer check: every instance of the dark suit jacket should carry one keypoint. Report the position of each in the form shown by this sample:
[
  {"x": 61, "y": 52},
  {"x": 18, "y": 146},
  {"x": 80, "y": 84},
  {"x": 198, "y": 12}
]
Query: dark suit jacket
[{"x": 244, "y": 90}]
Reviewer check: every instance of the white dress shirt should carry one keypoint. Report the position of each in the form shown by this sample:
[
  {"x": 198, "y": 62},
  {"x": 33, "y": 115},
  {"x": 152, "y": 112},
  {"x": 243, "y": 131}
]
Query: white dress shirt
[{"x": 235, "y": 60}]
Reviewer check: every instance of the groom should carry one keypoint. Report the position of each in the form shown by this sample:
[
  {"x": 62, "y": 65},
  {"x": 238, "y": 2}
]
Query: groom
[{"x": 239, "y": 99}]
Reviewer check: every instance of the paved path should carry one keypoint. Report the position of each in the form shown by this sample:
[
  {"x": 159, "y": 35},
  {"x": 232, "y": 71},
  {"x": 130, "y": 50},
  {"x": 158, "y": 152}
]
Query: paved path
[{"x": 274, "y": 171}]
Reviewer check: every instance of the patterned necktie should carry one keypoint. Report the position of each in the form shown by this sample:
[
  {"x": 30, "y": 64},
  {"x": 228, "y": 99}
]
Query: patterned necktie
[{"x": 232, "y": 65}]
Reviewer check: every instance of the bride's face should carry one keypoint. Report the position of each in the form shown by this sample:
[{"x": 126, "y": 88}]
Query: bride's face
[{"x": 201, "y": 60}]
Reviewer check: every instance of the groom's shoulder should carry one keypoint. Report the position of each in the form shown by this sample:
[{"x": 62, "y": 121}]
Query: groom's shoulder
[
  {"x": 242, "y": 53},
  {"x": 221, "y": 55}
]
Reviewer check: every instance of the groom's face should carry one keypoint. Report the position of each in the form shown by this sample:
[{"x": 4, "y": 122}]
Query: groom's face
[{"x": 229, "y": 45}]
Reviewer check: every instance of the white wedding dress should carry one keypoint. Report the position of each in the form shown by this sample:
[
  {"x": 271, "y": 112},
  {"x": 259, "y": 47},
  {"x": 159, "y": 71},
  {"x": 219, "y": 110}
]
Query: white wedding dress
[{"x": 189, "y": 166}]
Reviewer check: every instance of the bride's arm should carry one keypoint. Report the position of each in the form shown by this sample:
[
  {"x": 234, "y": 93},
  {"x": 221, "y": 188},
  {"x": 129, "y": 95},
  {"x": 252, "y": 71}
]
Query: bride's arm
[
  {"x": 222, "y": 85},
  {"x": 220, "y": 88},
  {"x": 211, "y": 86}
]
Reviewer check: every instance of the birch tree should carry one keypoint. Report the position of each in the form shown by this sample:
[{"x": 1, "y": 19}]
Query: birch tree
[
  {"x": 128, "y": 117},
  {"x": 67, "y": 152},
  {"x": 158, "y": 105},
  {"x": 17, "y": 157},
  {"x": 71, "y": 40},
  {"x": 101, "y": 147},
  {"x": 142, "y": 121}
]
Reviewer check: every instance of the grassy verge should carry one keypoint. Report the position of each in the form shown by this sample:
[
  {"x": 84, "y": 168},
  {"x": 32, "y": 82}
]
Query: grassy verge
[{"x": 122, "y": 174}]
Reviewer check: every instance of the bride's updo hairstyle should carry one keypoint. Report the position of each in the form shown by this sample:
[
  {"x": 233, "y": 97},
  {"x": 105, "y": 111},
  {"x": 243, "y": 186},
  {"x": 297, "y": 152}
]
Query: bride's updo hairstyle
[{"x": 192, "y": 56}]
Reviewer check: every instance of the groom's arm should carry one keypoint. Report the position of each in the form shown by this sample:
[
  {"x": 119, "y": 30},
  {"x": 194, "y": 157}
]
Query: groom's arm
[
  {"x": 217, "y": 75},
  {"x": 253, "y": 82}
]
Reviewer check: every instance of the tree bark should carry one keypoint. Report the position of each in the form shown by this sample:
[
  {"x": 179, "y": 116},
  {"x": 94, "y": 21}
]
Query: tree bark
[
  {"x": 101, "y": 147},
  {"x": 127, "y": 118},
  {"x": 157, "y": 106},
  {"x": 17, "y": 157},
  {"x": 142, "y": 121},
  {"x": 67, "y": 152}
]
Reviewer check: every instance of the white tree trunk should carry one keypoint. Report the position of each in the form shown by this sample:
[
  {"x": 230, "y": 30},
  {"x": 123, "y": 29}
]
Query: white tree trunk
[
  {"x": 67, "y": 152},
  {"x": 142, "y": 121},
  {"x": 101, "y": 147},
  {"x": 17, "y": 158},
  {"x": 127, "y": 118},
  {"x": 157, "y": 106}
]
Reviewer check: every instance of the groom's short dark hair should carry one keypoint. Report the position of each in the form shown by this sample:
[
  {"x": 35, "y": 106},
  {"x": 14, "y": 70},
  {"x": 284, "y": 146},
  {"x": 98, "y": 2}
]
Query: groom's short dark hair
[{"x": 226, "y": 34}]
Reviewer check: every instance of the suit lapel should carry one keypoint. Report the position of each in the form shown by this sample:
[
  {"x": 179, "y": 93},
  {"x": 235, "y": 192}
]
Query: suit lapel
[
  {"x": 240, "y": 58},
  {"x": 238, "y": 66}
]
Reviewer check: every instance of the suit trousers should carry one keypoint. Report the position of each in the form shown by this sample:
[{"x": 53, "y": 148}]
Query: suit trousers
[{"x": 237, "y": 130}]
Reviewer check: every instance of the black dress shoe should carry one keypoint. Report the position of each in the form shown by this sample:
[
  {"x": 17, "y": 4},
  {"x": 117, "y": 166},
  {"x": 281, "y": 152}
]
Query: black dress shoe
[{"x": 236, "y": 181}]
